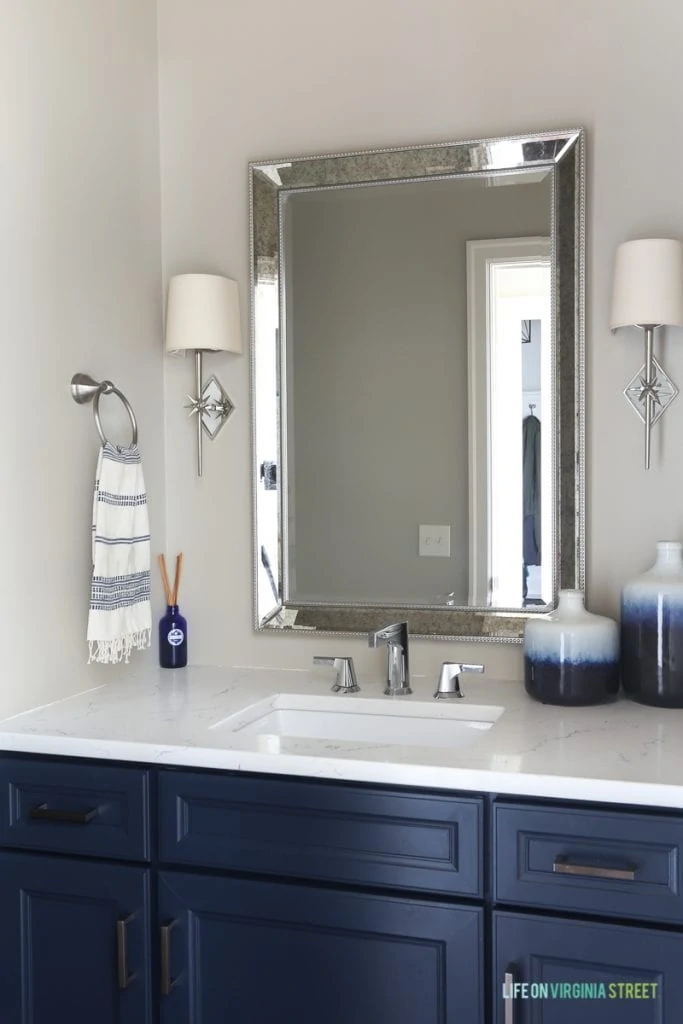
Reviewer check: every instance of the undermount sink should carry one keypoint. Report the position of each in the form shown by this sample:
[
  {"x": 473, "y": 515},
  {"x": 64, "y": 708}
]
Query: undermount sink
[{"x": 344, "y": 719}]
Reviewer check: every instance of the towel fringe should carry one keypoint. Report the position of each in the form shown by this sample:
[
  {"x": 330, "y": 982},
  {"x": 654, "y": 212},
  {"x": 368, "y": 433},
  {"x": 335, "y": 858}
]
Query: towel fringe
[{"x": 110, "y": 652}]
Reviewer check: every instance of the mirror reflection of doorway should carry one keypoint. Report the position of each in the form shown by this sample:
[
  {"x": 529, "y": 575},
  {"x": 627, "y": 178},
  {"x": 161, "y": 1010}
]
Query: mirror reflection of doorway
[
  {"x": 510, "y": 428},
  {"x": 532, "y": 469},
  {"x": 266, "y": 441}
]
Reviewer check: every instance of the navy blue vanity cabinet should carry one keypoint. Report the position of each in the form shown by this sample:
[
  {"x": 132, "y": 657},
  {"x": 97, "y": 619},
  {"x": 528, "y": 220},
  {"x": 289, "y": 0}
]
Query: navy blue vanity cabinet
[
  {"x": 74, "y": 941},
  {"x": 553, "y": 955},
  {"x": 75, "y": 922},
  {"x": 262, "y": 952},
  {"x": 609, "y": 884},
  {"x": 133, "y": 895},
  {"x": 326, "y": 902}
]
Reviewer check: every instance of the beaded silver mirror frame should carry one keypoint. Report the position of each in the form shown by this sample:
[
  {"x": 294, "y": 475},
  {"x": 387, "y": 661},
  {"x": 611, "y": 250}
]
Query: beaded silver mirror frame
[{"x": 563, "y": 153}]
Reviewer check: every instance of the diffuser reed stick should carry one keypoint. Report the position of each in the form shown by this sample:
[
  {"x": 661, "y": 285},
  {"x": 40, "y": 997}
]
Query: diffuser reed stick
[
  {"x": 164, "y": 577},
  {"x": 178, "y": 574}
]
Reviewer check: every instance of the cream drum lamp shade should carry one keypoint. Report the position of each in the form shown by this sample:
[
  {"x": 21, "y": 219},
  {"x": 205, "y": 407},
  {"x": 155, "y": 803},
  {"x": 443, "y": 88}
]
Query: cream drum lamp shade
[
  {"x": 203, "y": 314},
  {"x": 648, "y": 283}
]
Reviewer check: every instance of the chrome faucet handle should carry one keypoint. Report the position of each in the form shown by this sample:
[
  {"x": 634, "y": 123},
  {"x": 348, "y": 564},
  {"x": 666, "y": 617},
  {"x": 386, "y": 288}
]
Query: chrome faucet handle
[
  {"x": 395, "y": 637},
  {"x": 346, "y": 681},
  {"x": 449, "y": 680}
]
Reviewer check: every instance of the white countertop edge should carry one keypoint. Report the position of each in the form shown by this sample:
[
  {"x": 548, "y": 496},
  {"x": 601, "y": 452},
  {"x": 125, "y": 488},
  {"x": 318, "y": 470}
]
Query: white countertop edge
[
  {"x": 620, "y": 754},
  {"x": 462, "y": 780}
]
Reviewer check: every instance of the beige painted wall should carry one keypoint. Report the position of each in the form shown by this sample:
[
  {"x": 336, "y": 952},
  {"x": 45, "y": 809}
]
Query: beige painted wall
[
  {"x": 79, "y": 290},
  {"x": 378, "y": 340},
  {"x": 247, "y": 81}
]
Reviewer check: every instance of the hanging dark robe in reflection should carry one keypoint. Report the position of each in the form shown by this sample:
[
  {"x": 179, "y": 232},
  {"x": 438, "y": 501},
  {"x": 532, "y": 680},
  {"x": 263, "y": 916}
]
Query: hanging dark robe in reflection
[{"x": 531, "y": 474}]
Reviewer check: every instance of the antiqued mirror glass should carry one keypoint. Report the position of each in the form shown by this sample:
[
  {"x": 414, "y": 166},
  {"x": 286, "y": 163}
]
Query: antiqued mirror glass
[{"x": 417, "y": 361}]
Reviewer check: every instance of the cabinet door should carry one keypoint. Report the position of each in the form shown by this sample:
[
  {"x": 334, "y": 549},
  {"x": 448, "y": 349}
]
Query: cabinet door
[
  {"x": 248, "y": 951},
  {"x": 580, "y": 971},
  {"x": 74, "y": 942}
]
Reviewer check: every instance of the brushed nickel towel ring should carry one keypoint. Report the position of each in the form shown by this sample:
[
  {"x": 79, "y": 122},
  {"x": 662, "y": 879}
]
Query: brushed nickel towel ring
[{"x": 84, "y": 389}]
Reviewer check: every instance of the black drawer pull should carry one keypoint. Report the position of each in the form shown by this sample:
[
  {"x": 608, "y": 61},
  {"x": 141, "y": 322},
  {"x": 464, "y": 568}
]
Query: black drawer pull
[
  {"x": 44, "y": 813},
  {"x": 564, "y": 866}
]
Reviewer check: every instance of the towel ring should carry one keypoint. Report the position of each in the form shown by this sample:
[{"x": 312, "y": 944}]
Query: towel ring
[
  {"x": 85, "y": 389},
  {"x": 107, "y": 388}
]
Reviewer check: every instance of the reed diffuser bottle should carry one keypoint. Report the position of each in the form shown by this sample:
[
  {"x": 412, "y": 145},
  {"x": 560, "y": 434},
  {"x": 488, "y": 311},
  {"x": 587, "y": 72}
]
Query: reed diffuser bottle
[{"x": 172, "y": 626}]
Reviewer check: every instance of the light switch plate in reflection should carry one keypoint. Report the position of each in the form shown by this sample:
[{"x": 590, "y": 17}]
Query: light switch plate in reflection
[{"x": 435, "y": 541}]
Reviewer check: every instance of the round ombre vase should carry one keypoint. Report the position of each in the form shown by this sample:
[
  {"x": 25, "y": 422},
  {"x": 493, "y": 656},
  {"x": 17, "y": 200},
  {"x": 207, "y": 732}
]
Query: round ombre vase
[
  {"x": 571, "y": 656},
  {"x": 652, "y": 631}
]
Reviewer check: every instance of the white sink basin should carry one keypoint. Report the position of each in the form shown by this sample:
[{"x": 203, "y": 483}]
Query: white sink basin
[{"x": 360, "y": 722}]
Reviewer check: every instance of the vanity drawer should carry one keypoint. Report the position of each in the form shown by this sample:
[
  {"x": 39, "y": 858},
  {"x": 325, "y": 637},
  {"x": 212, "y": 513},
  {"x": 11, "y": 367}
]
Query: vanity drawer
[
  {"x": 71, "y": 808},
  {"x": 341, "y": 833},
  {"x": 597, "y": 862}
]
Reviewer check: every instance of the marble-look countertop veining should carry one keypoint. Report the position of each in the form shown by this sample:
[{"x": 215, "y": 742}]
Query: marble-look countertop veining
[{"x": 618, "y": 753}]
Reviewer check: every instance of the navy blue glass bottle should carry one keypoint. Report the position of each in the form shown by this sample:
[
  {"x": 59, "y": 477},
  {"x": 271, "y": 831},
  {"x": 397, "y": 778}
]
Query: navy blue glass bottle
[{"x": 172, "y": 639}]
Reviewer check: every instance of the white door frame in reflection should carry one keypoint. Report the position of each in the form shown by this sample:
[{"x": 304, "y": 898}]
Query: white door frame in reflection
[{"x": 508, "y": 280}]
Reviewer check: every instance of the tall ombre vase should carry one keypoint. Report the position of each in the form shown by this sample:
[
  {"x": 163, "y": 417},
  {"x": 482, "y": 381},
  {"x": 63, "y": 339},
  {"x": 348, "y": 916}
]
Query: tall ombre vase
[
  {"x": 652, "y": 631},
  {"x": 571, "y": 657}
]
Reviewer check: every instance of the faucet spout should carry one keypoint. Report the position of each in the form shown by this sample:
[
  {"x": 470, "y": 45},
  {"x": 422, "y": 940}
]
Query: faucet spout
[
  {"x": 388, "y": 634},
  {"x": 395, "y": 637}
]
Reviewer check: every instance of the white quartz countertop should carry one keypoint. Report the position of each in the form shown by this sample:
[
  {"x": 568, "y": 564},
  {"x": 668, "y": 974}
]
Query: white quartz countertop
[{"x": 618, "y": 753}]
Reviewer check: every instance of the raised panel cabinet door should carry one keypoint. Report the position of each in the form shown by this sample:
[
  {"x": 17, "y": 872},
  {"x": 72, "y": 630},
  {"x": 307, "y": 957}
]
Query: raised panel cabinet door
[
  {"x": 583, "y": 971},
  {"x": 74, "y": 942},
  {"x": 252, "y": 952}
]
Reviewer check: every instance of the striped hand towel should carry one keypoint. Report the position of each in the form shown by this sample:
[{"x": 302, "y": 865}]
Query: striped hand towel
[{"x": 120, "y": 616}]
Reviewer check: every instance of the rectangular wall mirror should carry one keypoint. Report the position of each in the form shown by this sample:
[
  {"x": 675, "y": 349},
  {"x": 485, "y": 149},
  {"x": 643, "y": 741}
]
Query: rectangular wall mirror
[{"x": 418, "y": 374}]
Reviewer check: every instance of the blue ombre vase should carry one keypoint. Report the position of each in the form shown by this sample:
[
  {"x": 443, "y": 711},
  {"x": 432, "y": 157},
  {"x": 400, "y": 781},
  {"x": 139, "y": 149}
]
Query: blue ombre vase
[
  {"x": 571, "y": 656},
  {"x": 652, "y": 631}
]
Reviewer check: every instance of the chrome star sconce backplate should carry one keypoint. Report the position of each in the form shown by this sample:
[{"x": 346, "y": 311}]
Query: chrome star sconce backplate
[
  {"x": 213, "y": 406},
  {"x": 661, "y": 391}
]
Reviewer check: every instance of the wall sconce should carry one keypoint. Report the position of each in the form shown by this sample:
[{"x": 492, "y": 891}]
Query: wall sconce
[
  {"x": 203, "y": 315},
  {"x": 648, "y": 293}
]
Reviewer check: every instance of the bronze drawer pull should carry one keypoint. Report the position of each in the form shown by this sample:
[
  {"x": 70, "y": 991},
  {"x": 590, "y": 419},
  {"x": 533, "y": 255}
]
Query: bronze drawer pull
[
  {"x": 509, "y": 1006},
  {"x": 563, "y": 866},
  {"x": 123, "y": 977}
]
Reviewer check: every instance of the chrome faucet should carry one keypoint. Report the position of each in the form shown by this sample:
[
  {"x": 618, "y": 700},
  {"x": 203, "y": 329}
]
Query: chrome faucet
[{"x": 398, "y": 671}]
